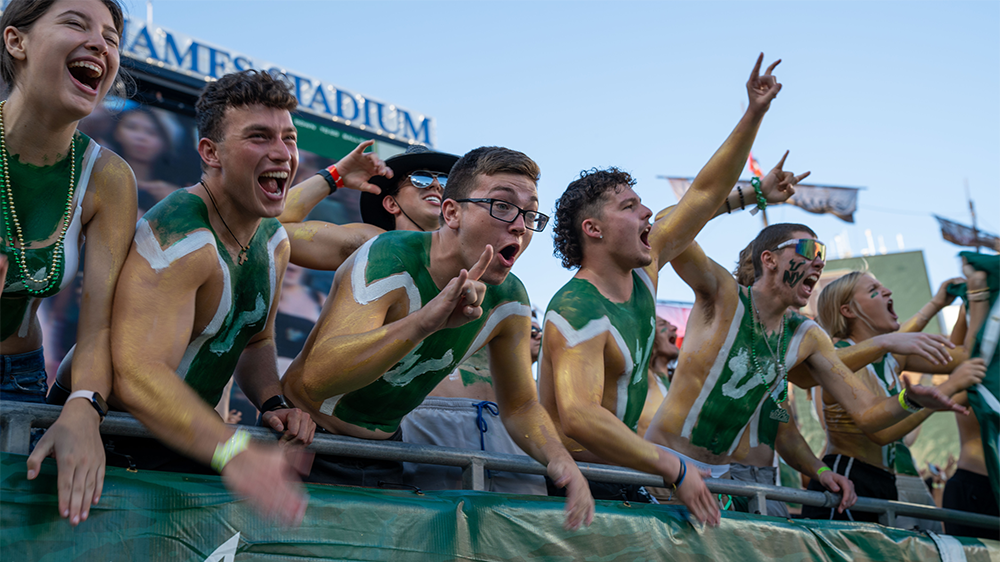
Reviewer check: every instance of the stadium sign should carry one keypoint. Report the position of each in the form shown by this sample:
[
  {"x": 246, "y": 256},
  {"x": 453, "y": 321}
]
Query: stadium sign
[{"x": 157, "y": 46}]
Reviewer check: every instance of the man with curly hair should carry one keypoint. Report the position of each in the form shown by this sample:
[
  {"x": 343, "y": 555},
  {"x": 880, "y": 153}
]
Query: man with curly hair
[{"x": 599, "y": 328}]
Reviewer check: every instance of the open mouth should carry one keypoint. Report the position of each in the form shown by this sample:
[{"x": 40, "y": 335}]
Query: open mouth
[
  {"x": 508, "y": 254},
  {"x": 672, "y": 340},
  {"x": 810, "y": 282},
  {"x": 644, "y": 236},
  {"x": 892, "y": 310},
  {"x": 433, "y": 200},
  {"x": 273, "y": 183},
  {"x": 86, "y": 73}
]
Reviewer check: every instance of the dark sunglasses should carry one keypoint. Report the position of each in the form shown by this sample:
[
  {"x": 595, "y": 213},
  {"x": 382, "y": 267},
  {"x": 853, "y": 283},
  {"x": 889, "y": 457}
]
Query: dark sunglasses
[
  {"x": 536, "y": 332},
  {"x": 806, "y": 247},
  {"x": 422, "y": 179}
]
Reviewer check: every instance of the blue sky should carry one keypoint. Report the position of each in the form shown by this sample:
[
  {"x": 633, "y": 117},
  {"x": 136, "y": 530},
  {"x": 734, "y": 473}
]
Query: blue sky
[{"x": 901, "y": 98}]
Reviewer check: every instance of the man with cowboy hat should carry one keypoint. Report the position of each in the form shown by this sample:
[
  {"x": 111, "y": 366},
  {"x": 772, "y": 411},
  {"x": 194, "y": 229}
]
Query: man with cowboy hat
[{"x": 411, "y": 198}]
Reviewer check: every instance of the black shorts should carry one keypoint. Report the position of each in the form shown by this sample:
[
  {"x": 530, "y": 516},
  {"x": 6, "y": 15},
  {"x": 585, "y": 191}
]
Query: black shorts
[
  {"x": 606, "y": 491},
  {"x": 352, "y": 471},
  {"x": 968, "y": 491},
  {"x": 869, "y": 481}
]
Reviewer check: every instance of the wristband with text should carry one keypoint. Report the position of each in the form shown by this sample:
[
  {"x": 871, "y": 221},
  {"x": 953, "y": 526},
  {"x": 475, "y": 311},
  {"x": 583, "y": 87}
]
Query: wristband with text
[{"x": 224, "y": 452}]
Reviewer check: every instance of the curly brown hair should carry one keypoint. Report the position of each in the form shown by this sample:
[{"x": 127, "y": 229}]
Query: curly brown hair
[
  {"x": 582, "y": 200},
  {"x": 241, "y": 89}
]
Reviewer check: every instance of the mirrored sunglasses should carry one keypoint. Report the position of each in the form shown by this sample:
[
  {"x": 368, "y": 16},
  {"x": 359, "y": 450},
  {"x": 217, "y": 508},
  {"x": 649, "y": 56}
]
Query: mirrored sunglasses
[
  {"x": 806, "y": 247},
  {"x": 422, "y": 179}
]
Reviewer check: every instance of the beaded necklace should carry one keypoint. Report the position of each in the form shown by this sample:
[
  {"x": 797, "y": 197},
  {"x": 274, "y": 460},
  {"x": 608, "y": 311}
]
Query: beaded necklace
[
  {"x": 782, "y": 349},
  {"x": 36, "y": 286}
]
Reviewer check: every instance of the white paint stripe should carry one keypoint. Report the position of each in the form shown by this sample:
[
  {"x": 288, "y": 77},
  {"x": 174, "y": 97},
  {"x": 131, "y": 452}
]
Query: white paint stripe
[
  {"x": 715, "y": 372},
  {"x": 948, "y": 547},
  {"x": 329, "y": 404},
  {"x": 364, "y": 294},
  {"x": 159, "y": 259},
  {"x": 272, "y": 245},
  {"x": 645, "y": 279},
  {"x": 225, "y": 303},
  {"x": 991, "y": 335},
  {"x": 22, "y": 330},
  {"x": 497, "y": 315},
  {"x": 591, "y": 330}
]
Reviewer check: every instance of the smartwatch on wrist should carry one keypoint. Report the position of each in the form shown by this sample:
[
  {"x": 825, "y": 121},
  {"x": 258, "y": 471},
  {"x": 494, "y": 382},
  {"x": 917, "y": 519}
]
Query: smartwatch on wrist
[
  {"x": 276, "y": 402},
  {"x": 95, "y": 399}
]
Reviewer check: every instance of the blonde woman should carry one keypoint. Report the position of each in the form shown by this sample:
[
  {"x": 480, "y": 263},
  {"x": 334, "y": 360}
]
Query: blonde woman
[{"x": 853, "y": 310}]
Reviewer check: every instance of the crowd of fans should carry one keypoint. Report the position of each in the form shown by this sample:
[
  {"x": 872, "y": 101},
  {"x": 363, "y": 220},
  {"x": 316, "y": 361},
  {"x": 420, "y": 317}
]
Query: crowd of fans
[{"x": 425, "y": 336}]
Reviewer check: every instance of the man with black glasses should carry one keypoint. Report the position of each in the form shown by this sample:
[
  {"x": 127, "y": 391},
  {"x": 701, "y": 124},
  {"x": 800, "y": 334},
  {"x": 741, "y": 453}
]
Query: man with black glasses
[{"x": 408, "y": 307}]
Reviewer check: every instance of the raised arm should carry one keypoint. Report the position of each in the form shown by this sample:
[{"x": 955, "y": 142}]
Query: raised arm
[
  {"x": 74, "y": 439},
  {"x": 706, "y": 278},
  {"x": 940, "y": 300},
  {"x": 353, "y": 170},
  {"x": 152, "y": 324},
  {"x": 869, "y": 413},
  {"x": 714, "y": 182}
]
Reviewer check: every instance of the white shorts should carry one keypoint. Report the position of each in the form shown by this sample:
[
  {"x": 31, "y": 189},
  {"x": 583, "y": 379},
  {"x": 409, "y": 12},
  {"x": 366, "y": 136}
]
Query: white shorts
[
  {"x": 716, "y": 470},
  {"x": 451, "y": 422}
]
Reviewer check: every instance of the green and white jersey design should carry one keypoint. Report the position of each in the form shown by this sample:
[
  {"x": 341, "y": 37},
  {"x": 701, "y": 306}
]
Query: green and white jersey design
[
  {"x": 40, "y": 202},
  {"x": 400, "y": 259},
  {"x": 733, "y": 394},
  {"x": 178, "y": 226},
  {"x": 885, "y": 372},
  {"x": 581, "y": 313}
]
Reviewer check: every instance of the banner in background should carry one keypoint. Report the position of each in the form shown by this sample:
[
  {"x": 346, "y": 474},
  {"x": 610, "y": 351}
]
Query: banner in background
[{"x": 841, "y": 202}]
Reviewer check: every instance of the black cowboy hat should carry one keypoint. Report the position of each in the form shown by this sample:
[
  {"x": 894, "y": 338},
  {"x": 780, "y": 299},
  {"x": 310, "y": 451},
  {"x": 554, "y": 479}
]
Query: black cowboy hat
[{"x": 415, "y": 158}]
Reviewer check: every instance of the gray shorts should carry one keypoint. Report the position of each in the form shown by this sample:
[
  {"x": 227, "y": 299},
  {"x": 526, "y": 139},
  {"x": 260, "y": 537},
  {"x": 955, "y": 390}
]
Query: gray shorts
[
  {"x": 760, "y": 475},
  {"x": 452, "y": 422}
]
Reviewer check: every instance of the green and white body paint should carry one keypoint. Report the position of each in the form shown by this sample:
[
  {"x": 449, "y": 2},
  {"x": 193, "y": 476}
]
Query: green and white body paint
[
  {"x": 179, "y": 226},
  {"x": 733, "y": 395},
  {"x": 40, "y": 202},
  {"x": 582, "y": 313},
  {"x": 401, "y": 260}
]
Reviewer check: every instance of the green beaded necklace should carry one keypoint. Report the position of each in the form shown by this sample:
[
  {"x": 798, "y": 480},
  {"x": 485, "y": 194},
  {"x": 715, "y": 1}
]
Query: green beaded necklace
[
  {"x": 782, "y": 349},
  {"x": 32, "y": 285}
]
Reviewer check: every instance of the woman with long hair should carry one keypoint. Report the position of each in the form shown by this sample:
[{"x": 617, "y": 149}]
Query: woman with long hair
[
  {"x": 57, "y": 187},
  {"x": 853, "y": 310}
]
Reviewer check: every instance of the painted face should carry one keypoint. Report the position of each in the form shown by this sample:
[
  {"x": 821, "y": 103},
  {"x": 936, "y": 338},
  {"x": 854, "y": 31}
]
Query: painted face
[
  {"x": 478, "y": 228},
  {"x": 625, "y": 227},
  {"x": 139, "y": 138},
  {"x": 872, "y": 302},
  {"x": 258, "y": 156},
  {"x": 665, "y": 342},
  {"x": 71, "y": 55},
  {"x": 423, "y": 206},
  {"x": 536, "y": 340},
  {"x": 797, "y": 274}
]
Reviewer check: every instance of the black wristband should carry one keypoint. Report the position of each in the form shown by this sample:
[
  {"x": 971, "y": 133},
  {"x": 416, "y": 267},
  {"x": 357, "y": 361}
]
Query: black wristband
[
  {"x": 325, "y": 174},
  {"x": 276, "y": 402},
  {"x": 729, "y": 210},
  {"x": 740, "y": 191}
]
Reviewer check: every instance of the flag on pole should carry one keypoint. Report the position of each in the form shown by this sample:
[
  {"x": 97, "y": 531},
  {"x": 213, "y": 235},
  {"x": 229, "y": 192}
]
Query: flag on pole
[
  {"x": 754, "y": 166},
  {"x": 965, "y": 236},
  {"x": 841, "y": 202}
]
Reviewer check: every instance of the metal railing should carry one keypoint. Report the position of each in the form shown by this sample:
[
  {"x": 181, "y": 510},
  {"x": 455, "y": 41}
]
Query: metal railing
[{"x": 17, "y": 419}]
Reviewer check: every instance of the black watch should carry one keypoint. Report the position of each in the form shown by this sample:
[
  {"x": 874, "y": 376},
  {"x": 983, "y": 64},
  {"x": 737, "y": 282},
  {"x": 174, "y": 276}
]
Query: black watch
[{"x": 276, "y": 402}]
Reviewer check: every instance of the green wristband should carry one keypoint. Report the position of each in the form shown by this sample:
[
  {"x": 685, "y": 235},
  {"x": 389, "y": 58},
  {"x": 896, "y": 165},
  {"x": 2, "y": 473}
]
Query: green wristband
[
  {"x": 761, "y": 200},
  {"x": 821, "y": 471},
  {"x": 224, "y": 452}
]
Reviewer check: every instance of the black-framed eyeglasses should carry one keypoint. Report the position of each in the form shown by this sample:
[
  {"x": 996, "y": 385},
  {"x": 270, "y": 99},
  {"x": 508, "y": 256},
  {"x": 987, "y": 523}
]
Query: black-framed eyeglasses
[
  {"x": 422, "y": 179},
  {"x": 508, "y": 212}
]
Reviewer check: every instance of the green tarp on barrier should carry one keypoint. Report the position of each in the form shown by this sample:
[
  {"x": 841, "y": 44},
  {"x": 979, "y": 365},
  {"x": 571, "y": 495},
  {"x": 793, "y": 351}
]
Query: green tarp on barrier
[{"x": 165, "y": 516}]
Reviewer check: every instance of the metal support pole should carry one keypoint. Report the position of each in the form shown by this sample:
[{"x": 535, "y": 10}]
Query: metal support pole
[
  {"x": 15, "y": 433},
  {"x": 474, "y": 475}
]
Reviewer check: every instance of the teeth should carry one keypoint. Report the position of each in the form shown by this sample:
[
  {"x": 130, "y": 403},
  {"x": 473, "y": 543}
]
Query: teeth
[
  {"x": 277, "y": 175},
  {"x": 95, "y": 71},
  {"x": 433, "y": 198}
]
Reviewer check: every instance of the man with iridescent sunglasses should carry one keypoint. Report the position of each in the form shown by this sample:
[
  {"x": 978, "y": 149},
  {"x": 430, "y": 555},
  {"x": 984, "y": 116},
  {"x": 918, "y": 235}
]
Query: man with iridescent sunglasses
[
  {"x": 408, "y": 307},
  {"x": 740, "y": 351}
]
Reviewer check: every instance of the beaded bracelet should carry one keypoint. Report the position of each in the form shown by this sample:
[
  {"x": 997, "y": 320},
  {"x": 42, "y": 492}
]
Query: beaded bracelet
[
  {"x": 224, "y": 452},
  {"x": 332, "y": 177},
  {"x": 729, "y": 210},
  {"x": 761, "y": 200},
  {"x": 907, "y": 405},
  {"x": 742, "y": 203},
  {"x": 684, "y": 471}
]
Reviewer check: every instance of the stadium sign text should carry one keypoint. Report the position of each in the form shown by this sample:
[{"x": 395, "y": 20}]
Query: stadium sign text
[{"x": 179, "y": 53}]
